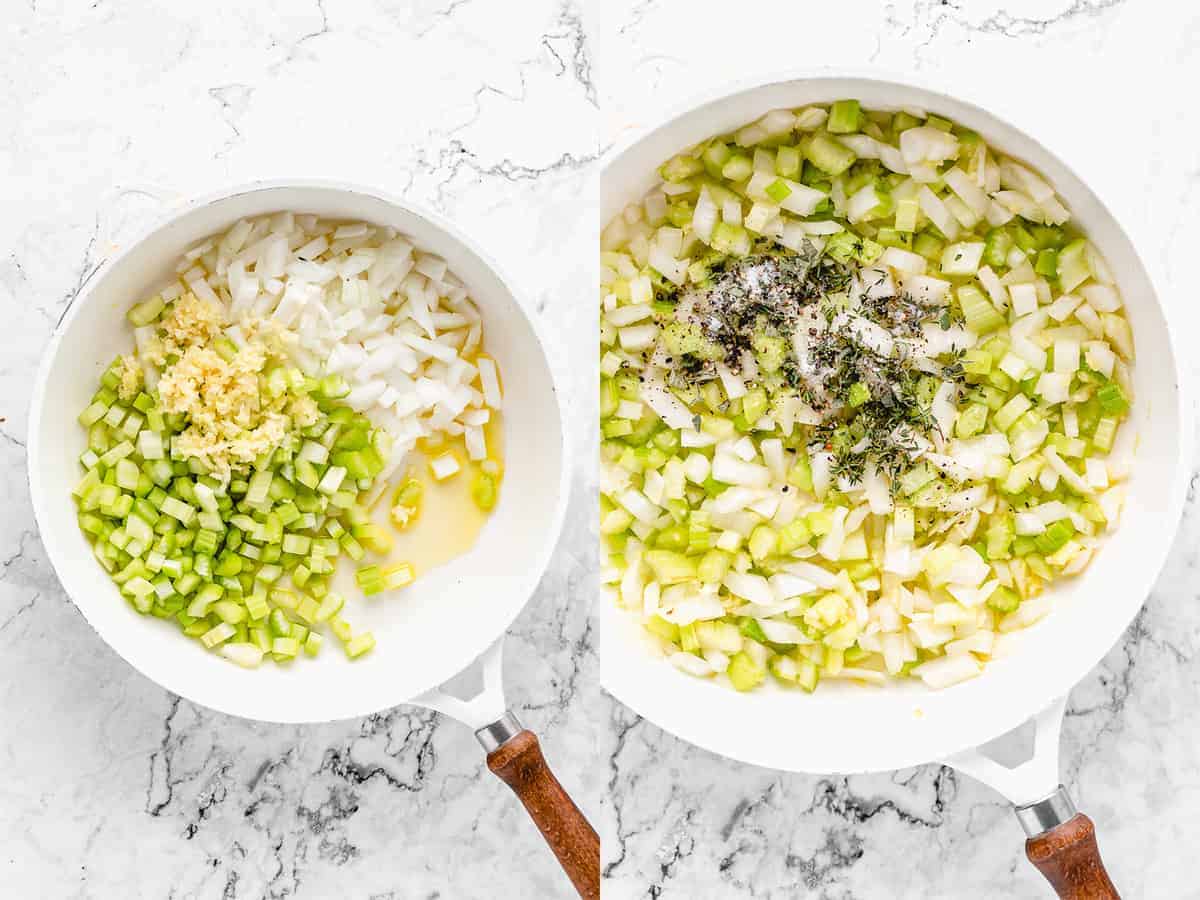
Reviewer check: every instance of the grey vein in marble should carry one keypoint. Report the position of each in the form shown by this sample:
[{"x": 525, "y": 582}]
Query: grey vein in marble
[
  {"x": 116, "y": 112},
  {"x": 125, "y": 110},
  {"x": 680, "y": 822}
]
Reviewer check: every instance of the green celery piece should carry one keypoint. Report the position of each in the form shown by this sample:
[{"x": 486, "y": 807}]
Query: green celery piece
[
  {"x": 1054, "y": 537},
  {"x": 340, "y": 628},
  {"x": 980, "y": 315},
  {"x": 1112, "y": 399},
  {"x": 312, "y": 643},
  {"x": 146, "y": 312},
  {"x": 903, "y": 121},
  {"x": 673, "y": 537},
  {"x": 715, "y": 156},
  {"x": 972, "y": 419},
  {"x": 778, "y": 190},
  {"x": 731, "y": 239},
  {"x": 1072, "y": 264},
  {"x": 807, "y": 675},
  {"x": 360, "y": 644},
  {"x": 713, "y": 566},
  {"x": 670, "y": 567},
  {"x": 828, "y": 155},
  {"x": 1104, "y": 434},
  {"x": 681, "y": 168},
  {"x": 754, "y": 404},
  {"x": 751, "y": 629},
  {"x": 788, "y": 161},
  {"x": 738, "y": 167},
  {"x": 845, "y": 117},
  {"x": 763, "y": 542},
  {"x": 1004, "y": 600},
  {"x": 688, "y": 641},
  {"x": 995, "y": 251},
  {"x": 744, "y": 673},
  {"x": 794, "y": 535},
  {"x": 1047, "y": 263}
]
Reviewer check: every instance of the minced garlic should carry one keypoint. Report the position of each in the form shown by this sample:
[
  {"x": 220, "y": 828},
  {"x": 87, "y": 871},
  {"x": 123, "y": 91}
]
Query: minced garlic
[
  {"x": 268, "y": 331},
  {"x": 304, "y": 411},
  {"x": 191, "y": 322},
  {"x": 228, "y": 420},
  {"x": 207, "y": 388},
  {"x": 131, "y": 378}
]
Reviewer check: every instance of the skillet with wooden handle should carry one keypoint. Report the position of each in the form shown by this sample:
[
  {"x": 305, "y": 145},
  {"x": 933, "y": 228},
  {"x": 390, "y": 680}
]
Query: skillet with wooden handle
[{"x": 846, "y": 728}]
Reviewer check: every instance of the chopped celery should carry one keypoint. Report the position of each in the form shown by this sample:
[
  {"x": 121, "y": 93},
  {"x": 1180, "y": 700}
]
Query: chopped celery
[
  {"x": 1000, "y": 534},
  {"x": 980, "y": 315},
  {"x": 670, "y": 567},
  {"x": 484, "y": 490},
  {"x": 731, "y": 239},
  {"x": 800, "y": 475},
  {"x": 680, "y": 168},
  {"x": 754, "y": 488},
  {"x": 972, "y": 419},
  {"x": 146, "y": 312},
  {"x": 737, "y": 167},
  {"x": 688, "y": 640},
  {"x": 744, "y": 673},
  {"x": 715, "y": 156},
  {"x": 778, "y": 190},
  {"x": 217, "y": 634},
  {"x": 787, "y": 162},
  {"x": 397, "y": 576},
  {"x": 763, "y": 542},
  {"x": 361, "y": 643},
  {"x": 828, "y": 155},
  {"x": 312, "y": 643},
  {"x": 1112, "y": 399},
  {"x": 1054, "y": 537},
  {"x": 674, "y": 537},
  {"x": 751, "y": 629},
  {"x": 794, "y": 535},
  {"x": 1047, "y": 263},
  {"x": 662, "y": 628},
  {"x": 713, "y": 566},
  {"x": 1104, "y": 434},
  {"x": 907, "y": 211},
  {"x": 845, "y": 117},
  {"x": 1004, "y": 600},
  {"x": 1072, "y": 265}
]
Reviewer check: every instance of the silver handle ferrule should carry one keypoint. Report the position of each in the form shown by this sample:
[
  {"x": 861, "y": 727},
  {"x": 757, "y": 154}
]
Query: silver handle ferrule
[
  {"x": 500, "y": 732},
  {"x": 1047, "y": 813}
]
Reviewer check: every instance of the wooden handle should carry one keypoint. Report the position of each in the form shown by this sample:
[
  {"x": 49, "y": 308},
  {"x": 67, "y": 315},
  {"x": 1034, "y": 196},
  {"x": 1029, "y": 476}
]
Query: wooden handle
[
  {"x": 1069, "y": 858},
  {"x": 519, "y": 763}
]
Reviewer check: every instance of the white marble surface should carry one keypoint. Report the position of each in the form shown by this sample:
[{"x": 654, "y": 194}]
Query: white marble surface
[
  {"x": 111, "y": 112},
  {"x": 1103, "y": 81},
  {"x": 490, "y": 111}
]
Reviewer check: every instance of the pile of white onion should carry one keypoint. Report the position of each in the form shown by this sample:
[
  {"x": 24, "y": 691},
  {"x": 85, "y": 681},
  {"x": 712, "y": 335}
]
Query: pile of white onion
[{"x": 360, "y": 301}]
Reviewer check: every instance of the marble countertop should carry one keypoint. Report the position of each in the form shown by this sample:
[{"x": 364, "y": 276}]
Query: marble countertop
[
  {"x": 114, "y": 111},
  {"x": 494, "y": 114},
  {"x": 1098, "y": 81}
]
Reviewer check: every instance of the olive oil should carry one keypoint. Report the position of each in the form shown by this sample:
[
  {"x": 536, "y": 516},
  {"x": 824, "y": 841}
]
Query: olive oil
[{"x": 448, "y": 521}]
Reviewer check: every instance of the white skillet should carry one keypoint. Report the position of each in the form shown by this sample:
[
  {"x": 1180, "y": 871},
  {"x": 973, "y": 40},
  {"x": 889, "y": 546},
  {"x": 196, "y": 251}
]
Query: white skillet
[
  {"x": 427, "y": 633},
  {"x": 844, "y": 728}
]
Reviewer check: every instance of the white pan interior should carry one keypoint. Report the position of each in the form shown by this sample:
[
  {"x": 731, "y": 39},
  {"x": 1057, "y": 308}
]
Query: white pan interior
[
  {"x": 427, "y": 632},
  {"x": 846, "y": 728}
]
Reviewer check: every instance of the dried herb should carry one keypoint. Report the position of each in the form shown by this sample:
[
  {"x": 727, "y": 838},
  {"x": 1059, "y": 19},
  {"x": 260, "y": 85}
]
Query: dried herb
[{"x": 875, "y": 408}]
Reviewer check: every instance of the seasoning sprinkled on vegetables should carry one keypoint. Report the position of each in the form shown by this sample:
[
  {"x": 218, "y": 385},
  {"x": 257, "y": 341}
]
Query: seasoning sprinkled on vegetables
[{"x": 861, "y": 400}]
